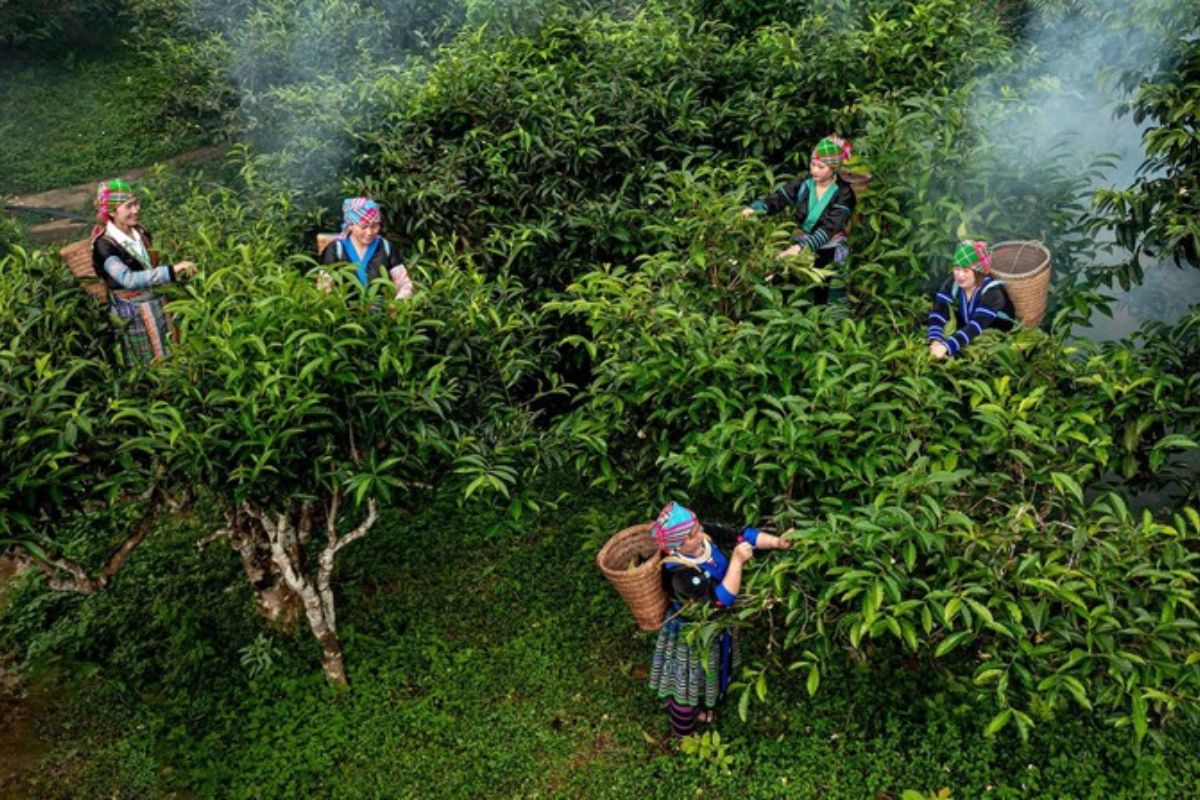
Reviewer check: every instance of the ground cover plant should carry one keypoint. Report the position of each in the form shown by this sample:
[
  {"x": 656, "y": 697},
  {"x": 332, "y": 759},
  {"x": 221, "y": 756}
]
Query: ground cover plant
[
  {"x": 974, "y": 602},
  {"x": 95, "y": 111}
]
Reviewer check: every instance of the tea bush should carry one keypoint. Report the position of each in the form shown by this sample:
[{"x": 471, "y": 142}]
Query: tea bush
[
  {"x": 715, "y": 375},
  {"x": 541, "y": 150}
]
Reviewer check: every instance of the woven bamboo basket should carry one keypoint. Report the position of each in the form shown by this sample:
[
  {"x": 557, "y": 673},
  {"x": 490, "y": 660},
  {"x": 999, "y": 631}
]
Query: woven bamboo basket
[
  {"x": 323, "y": 240},
  {"x": 859, "y": 181},
  {"x": 640, "y": 586},
  {"x": 1024, "y": 266},
  {"x": 78, "y": 258}
]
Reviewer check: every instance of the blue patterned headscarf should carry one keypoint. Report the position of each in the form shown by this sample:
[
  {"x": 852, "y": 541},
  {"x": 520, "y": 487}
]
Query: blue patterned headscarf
[
  {"x": 358, "y": 209},
  {"x": 673, "y": 525}
]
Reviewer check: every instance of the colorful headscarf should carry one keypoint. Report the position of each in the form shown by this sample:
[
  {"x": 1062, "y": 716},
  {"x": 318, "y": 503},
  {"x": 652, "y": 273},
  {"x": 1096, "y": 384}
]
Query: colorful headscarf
[
  {"x": 356, "y": 210},
  {"x": 832, "y": 150},
  {"x": 972, "y": 254},
  {"x": 109, "y": 195},
  {"x": 673, "y": 525}
]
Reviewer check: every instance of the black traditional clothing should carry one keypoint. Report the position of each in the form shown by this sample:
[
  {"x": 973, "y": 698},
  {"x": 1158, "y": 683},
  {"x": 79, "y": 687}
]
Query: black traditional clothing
[
  {"x": 989, "y": 307},
  {"x": 126, "y": 264}
]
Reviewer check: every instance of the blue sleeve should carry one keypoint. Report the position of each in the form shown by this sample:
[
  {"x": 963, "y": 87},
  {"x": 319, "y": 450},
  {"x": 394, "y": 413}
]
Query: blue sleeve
[
  {"x": 128, "y": 278},
  {"x": 725, "y": 597},
  {"x": 939, "y": 316},
  {"x": 751, "y": 536}
]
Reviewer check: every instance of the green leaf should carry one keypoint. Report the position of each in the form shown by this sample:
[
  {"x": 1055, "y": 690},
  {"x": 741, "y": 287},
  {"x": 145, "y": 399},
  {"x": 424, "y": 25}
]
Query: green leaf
[
  {"x": 1067, "y": 485},
  {"x": 1138, "y": 716},
  {"x": 952, "y": 642},
  {"x": 997, "y": 723}
]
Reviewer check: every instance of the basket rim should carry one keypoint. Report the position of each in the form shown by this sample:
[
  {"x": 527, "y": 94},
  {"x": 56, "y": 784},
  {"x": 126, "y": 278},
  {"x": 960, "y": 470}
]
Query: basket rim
[
  {"x": 1033, "y": 244},
  {"x": 630, "y": 532}
]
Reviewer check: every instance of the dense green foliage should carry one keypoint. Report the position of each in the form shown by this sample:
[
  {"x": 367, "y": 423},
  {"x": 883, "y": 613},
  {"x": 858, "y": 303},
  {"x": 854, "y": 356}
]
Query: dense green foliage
[
  {"x": 968, "y": 560},
  {"x": 1157, "y": 216},
  {"x": 519, "y": 148},
  {"x": 67, "y": 439},
  {"x": 30, "y": 22}
]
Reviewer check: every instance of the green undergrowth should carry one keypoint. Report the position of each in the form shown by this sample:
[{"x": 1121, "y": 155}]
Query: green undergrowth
[
  {"x": 488, "y": 667},
  {"x": 70, "y": 116}
]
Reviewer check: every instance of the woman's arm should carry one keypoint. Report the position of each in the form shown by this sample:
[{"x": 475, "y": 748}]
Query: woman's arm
[
  {"x": 731, "y": 584},
  {"x": 399, "y": 274},
  {"x": 785, "y": 196},
  {"x": 128, "y": 278},
  {"x": 939, "y": 315}
]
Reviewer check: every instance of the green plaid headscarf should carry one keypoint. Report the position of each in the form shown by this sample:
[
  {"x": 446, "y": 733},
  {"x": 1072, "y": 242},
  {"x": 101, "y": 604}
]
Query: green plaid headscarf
[
  {"x": 832, "y": 150},
  {"x": 972, "y": 254},
  {"x": 109, "y": 195}
]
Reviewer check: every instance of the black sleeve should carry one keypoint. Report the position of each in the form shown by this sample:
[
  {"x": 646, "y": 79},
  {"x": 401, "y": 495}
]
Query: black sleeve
[
  {"x": 939, "y": 315},
  {"x": 330, "y": 254},
  {"x": 784, "y": 197},
  {"x": 102, "y": 248},
  {"x": 393, "y": 256}
]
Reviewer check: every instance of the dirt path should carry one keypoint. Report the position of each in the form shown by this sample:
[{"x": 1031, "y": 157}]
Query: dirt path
[{"x": 78, "y": 199}]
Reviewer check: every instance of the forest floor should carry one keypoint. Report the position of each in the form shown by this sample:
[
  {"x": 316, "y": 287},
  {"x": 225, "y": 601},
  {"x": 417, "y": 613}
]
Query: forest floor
[{"x": 68, "y": 115}]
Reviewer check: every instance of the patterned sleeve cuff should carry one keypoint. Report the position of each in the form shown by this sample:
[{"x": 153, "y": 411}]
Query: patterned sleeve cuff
[
  {"x": 759, "y": 207},
  {"x": 725, "y": 597}
]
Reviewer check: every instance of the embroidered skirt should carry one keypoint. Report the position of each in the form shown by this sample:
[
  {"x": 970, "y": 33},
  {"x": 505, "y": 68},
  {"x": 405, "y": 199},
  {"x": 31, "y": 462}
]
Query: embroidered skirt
[
  {"x": 696, "y": 674},
  {"x": 146, "y": 328}
]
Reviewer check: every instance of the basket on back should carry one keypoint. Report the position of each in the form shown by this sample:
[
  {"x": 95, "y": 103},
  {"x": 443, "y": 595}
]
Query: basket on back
[
  {"x": 78, "y": 258},
  {"x": 323, "y": 240},
  {"x": 859, "y": 181},
  {"x": 631, "y": 562},
  {"x": 1025, "y": 269}
]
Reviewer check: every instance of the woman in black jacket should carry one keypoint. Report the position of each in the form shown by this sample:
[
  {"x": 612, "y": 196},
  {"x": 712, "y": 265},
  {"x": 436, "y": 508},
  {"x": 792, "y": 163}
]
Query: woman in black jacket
[
  {"x": 822, "y": 204},
  {"x": 124, "y": 258},
  {"x": 361, "y": 245}
]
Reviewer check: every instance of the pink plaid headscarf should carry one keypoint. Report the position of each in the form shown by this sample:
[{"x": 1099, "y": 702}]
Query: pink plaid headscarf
[
  {"x": 109, "y": 195},
  {"x": 973, "y": 254}
]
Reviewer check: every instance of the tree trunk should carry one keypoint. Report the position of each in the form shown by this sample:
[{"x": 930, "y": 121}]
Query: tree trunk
[
  {"x": 286, "y": 539},
  {"x": 277, "y": 602}
]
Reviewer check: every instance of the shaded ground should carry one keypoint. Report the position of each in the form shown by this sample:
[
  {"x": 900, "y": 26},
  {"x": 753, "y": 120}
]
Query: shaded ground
[
  {"x": 21, "y": 749},
  {"x": 68, "y": 115}
]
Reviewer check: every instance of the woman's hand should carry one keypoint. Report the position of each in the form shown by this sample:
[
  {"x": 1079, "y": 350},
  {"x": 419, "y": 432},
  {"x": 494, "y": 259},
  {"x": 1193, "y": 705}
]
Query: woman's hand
[
  {"x": 743, "y": 552},
  {"x": 937, "y": 349},
  {"x": 184, "y": 268},
  {"x": 794, "y": 250},
  {"x": 748, "y": 212}
]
